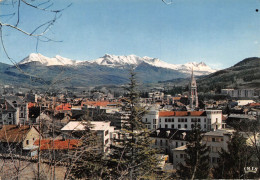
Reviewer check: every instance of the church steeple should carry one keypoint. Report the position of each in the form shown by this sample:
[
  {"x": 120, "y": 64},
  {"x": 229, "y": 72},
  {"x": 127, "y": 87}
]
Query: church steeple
[{"x": 194, "y": 103}]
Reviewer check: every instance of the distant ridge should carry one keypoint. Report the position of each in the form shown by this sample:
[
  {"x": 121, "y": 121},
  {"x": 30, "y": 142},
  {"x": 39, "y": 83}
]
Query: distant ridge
[
  {"x": 244, "y": 74},
  {"x": 106, "y": 70},
  {"x": 114, "y": 61}
]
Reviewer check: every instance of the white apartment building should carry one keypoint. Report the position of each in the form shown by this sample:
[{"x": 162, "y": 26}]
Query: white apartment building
[
  {"x": 103, "y": 129},
  {"x": 238, "y": 92},
  {"x": 208, "y": 120}
]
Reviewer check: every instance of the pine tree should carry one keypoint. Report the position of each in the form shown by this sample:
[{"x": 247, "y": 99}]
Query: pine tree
[
  {"x": 87, "y": 161},
  {"x": 132, "y": 156},
  {"x": 197, "y": 157},
  {"x": 233, "y": 161}
]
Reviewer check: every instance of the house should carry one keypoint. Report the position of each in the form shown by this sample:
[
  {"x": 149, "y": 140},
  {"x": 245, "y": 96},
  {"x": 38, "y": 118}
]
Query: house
[
  {"x": 168, "y": 139},
  {"x": 217, "y": 140},
  {"x": 18, "y": 138},
  {"x": 13, "y": 111},
  {"x": 179, "y": 155},
  {"x": 103, "y": 128}
]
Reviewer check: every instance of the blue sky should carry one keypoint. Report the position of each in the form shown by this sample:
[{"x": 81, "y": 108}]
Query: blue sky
[{"x": 217, "y": 32}]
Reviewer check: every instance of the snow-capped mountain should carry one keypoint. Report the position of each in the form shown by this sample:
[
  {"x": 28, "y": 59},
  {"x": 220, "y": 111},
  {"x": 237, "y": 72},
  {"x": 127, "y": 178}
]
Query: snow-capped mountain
[
  {"x": 55, "y": 61},
  {"x": 114, "y": 61}
]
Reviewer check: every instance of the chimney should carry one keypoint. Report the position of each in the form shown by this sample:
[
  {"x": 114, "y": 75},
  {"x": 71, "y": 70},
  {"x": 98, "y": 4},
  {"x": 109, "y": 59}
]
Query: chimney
[
  {"x": 168, "y": 132},
  {"x": 183, "y": 135},
  {"x": 157, "y": 132}
]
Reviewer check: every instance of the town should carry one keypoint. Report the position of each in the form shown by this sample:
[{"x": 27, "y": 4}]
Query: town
[{"x": 40, "y": 127}]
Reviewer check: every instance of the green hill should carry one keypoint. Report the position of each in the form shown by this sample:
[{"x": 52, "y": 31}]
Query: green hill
[{"x": 245, "y": 74}]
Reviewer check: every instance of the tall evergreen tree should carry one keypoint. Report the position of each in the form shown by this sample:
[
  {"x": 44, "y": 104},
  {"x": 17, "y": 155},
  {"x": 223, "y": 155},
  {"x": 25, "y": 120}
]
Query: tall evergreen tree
[
  {"x": 131, "y": 154},
  {"x": 197, "y": 157},
  {"x": 233, "y": 161},
  {"x": 87, "y": 161}
]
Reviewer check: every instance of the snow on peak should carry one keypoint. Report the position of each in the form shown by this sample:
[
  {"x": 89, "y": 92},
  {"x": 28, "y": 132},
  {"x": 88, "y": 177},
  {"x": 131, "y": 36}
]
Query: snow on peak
[
  {"x": 57, "y": 60},
  {"x": 120, "y": 61}
]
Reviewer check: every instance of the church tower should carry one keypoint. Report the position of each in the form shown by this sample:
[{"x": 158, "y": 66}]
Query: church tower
[{"x": 194, "y": 103}]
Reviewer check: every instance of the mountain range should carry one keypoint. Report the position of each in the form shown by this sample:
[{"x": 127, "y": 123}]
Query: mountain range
[{"x": 37, "y": 69}]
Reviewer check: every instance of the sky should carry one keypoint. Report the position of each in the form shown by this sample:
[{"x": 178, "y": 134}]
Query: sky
[{"x": 217, "y": 32}]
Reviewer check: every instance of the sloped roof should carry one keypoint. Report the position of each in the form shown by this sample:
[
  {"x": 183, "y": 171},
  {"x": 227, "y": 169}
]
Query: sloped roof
[
  {"x": 30, "y": 105},
  {"x": 181, "y": 113},
  {"x": 49, "y": 144},
  {"x": 253, "y": 104},
  {"x": 14, "y": 133},
  {"x": 63, "y": 107},
  {"x": 168, "y": 133},
  {"x": 99, "y": 103}
]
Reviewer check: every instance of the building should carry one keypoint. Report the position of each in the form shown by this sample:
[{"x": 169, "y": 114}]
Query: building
[
  {"x": 208, "y": 120},
  {"x": 13, "y": 111},
  {"x": 194, "y": 102},
  {"x": 18, "y": 139},
  {"x": 217, "y": 140},
  {"x": 103, "y": 129},
  {"x": 168, "y": 139},
  {"x": 238, "y": 92}
]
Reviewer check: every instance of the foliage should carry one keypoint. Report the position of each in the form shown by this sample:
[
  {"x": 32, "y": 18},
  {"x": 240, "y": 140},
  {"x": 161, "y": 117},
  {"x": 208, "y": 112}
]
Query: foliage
[
  {"x": 87, "y": 161},
  {"x": 131, "y": 155},
  {"x": 196, "y": 159},
  {"x": 233, "y": 161}
]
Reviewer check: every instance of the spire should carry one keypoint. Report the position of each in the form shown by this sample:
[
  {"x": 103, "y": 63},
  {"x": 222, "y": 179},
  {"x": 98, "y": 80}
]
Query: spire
[
  {"x": 193, "y": 92},
  {"x": 193, "y": 81}
]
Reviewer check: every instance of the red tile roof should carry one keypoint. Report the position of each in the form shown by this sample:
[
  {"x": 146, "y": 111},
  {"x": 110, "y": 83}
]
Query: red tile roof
[
  {"x": 253, "y": 104},
  {"x": 63, "y": 107},
  {"x": 30, "y": 105},
  {"x": 13, "y": 133},
  {"x": 166, "y": 113},
  {"x": 99, "y": 103},
  {"x": 177, "y": 98},
  {"x": 48, "y": 144},
  {"x": 181, "y": 113}
]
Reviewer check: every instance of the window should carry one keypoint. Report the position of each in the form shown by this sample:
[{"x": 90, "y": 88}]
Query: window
[
  {"x": 160, "y": 120},
  {"x": 166, "y": 125},
  {"x": 166, "y": 120},
  {"x": 199, "y": 120},
  {"x": 21, "y": 108},
  {"x": 146, "y": 120},
  {"x": 205, "y": 126},
  {"x": 179, "y": 126},
  {"x": 185, "y": 126},
  {"x": 155, "y": 142},
  {"x": 21, "y": 114},
  {"x": 172, "y": 126},
  {"x": 182, "y": 156},
  {"x": 106, "y": 133},
  {"x": 205, "y": 120},
  {"x": 213, "y": 140},
  {"x": 27, "y": 142},
  {"x": 182, "y": 144},
  {"x": 166, "y": 142},
  {"x": 186, "y": 120},
  {"x": 176, "y": 144},
  {"x": 9, "y": 115},
  {"x": 106, "y": 141},
  {"x": 160, "y": 142}
]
